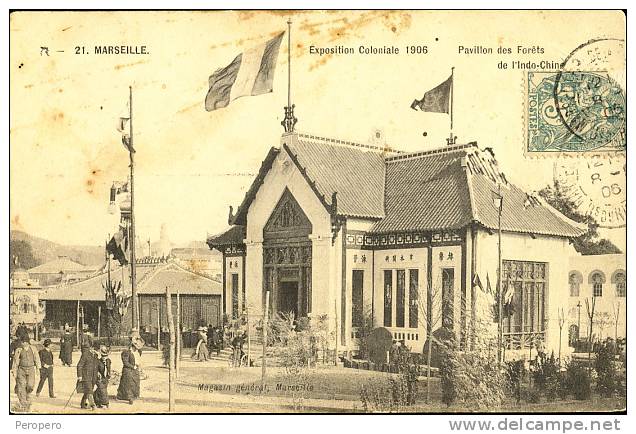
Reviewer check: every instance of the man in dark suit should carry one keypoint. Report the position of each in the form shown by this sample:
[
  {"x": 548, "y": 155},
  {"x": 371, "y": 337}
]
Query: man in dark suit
[
  {"x": 46, "y": 370},
  {"x": 87, "y": 376}
]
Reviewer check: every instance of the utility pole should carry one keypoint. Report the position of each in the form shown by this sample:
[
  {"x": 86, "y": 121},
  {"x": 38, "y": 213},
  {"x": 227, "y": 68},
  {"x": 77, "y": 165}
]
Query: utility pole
[
  {"x": 265, "y": 315},
  {"x": 178, "y": 351},
  {"x": 249, "y": 341},
  {"x": 133, "y": 264},
  {"x": 578, "y": 323},
  {"x": 171, "y": 363},
  {"x": 499, "y": 286}
]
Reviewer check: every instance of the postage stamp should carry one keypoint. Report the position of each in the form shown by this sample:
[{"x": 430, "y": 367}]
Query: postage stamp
[
  {"x": 581, "y": 107},
  {"x": 574, "y": 111}
]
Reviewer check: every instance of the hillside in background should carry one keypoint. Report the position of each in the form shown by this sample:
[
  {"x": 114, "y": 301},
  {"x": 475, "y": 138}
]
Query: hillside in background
[{"x": 45, "y": 250}]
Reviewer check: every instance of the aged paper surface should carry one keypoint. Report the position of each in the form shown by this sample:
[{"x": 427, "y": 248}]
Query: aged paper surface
[{"x": 386, "y": 170}]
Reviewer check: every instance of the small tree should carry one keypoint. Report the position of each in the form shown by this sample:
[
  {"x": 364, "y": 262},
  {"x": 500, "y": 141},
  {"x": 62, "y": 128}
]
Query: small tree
[
  {"x": 616, "y": 312},
  {"x": 589, "y": 307},
  {"x": 561, "y": 324},
  {"x": 602, "y": 320},
  {"x": 432, "y": 312},
  {"x": 117, "y": 302},
  {"x": 589, "y": 243}
]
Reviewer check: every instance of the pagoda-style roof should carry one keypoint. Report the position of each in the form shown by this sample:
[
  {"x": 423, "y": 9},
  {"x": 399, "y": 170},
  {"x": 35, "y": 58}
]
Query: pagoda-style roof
[{"x": 445, "y": 188}]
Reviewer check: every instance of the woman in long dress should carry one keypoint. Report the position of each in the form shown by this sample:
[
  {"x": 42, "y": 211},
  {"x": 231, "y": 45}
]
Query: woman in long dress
[
  {"x": 128, "y": 389},
  {"x": 201, "y": 352},
  {"x": 66, "y": 348}
]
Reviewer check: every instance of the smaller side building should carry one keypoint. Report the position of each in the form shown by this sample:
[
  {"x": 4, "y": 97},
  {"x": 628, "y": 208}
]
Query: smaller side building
[
  {"x": 84, "y": 302},
  {"x": 602, "y": 280},
  {"x": 60, "y": 270},
  {"x": 24, "y": 300}
]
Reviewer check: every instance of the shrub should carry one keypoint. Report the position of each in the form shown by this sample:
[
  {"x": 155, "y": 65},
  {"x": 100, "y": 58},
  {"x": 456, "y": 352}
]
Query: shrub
[
  {"x": 472, "y": 378},
  {"x": 578, "y": 382},
  {"x": 547, "y": 376},
  {"x": 516, "y": 373},
  {"x": 390, "y": 394},
  {"x": 607, "y": 383}
]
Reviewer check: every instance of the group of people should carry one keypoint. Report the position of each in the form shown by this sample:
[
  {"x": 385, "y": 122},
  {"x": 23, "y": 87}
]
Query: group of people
[
  {"x": 209, "y": 339},
  {"x": 26, "y": 361},
  {"x": 94, "y": 373},
  {"x": 93, "y": 368}
]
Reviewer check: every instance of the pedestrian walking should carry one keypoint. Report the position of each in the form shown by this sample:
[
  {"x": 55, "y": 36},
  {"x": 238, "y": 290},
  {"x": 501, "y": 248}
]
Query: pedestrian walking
[
  {"x": 22, "y": 331},
  {"x": 87, "y": 376},
  {"x": 26, "y": 361},
  {"x": 103, "y": 369},
  {"x": 217, "y": 340},
  {"x": 46, "y": 371},
  {"x": 128, "y": 389},
  {"x": 201, "y": 351},
  {"x": 86, "y": 339},
  {"x": 66, "y": 347}
]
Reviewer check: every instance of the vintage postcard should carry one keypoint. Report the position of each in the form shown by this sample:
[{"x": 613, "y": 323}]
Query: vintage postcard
[{"x": 363, "y": 211}]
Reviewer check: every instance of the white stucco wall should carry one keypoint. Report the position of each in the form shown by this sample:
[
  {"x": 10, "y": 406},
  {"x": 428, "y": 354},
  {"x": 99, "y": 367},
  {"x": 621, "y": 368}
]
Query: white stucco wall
[
  {"x": 326, "y": 262},
  {"x": 609, "y": 307},
  {"x": 552, "y": 250}
]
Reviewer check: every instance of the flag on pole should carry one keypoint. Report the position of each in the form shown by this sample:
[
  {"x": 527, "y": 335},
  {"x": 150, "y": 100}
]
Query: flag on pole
[
  {"x": 123, "y": 126},
  {"x": 118, "y": 245},
  {"x": 435, "y": 100},
  {"x": 250, "y": 73},
  {"x": 488, "y": 286},
  {"x": 477, "y": 282}
]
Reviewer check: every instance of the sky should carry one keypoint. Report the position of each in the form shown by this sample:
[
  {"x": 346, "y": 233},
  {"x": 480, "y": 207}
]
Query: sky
[{"x": 191, "y": 165}]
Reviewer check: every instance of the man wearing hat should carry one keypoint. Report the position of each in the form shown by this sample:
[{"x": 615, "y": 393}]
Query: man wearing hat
[
  {"x": 87, "y": 377},
  {"x": 25, "y": 362},
  {"x": 86, "y": 340},
  {"x": 103, "y": 369},
  {"x": 46, "y": 370},
  {"x": 128, "y": 389},
  {"x": 66, "y": 347}
]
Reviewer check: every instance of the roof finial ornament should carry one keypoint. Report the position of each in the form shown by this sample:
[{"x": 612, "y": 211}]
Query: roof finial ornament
[
  {"x": 451, "y": 140},
  {"x": 290, "y": 120}
]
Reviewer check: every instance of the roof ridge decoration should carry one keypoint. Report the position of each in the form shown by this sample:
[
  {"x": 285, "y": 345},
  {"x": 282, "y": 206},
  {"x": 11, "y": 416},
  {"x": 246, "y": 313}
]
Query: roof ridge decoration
[
  {"x": 441, "y": 150},
  {"x": 349, "y": 143},
  {"x": 479, "y": 163}
]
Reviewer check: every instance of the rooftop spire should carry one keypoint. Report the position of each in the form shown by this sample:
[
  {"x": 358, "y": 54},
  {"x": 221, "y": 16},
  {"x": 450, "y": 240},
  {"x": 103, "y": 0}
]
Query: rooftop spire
[{"x": 289, "y": 122}]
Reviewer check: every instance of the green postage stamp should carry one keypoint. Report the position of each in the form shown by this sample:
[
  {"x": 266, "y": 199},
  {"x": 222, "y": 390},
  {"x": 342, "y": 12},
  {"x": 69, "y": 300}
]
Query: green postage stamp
[{"x": 574, "y": 111}]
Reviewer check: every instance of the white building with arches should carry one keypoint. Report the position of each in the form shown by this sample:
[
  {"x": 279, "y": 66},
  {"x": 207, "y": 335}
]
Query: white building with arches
[{"x": 602, "y": 277}]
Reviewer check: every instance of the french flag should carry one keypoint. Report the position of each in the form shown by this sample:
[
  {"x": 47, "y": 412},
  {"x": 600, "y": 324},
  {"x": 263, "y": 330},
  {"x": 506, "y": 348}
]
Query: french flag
[{"x": 250, "y": 73}]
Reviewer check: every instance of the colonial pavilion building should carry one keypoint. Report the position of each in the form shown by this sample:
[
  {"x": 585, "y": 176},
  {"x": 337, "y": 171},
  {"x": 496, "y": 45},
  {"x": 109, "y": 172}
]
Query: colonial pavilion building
[{"x": 351, "y": 231}]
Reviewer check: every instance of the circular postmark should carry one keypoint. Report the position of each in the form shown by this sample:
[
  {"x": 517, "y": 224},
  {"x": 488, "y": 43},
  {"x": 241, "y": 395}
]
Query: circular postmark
[
  {"x": 589, "y": 98},
  {"x": 596, "y": 187}
]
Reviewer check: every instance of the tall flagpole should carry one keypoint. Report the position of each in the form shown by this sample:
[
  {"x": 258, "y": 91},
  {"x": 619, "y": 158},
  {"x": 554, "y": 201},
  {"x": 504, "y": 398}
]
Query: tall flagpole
[
  {"x": 290, "y": 120},
  {"x": 452, "y": 94},
  {"x": 289, "y": 63},
  {"x": 133, "y": 265}
]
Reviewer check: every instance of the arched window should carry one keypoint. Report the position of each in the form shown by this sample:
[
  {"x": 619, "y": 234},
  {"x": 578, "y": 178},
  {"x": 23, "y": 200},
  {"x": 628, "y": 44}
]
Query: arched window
[
  {"x": 619, "y": 279},
  {"x": 597, "y": 284},
  {"x": 575, "y": 280}
]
